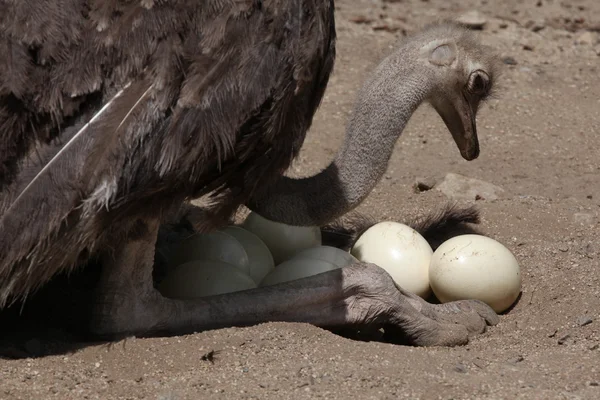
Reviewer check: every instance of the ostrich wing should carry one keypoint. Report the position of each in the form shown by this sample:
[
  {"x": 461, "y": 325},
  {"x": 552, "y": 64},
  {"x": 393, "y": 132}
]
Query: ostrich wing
[{"x": 106, "y": 102}]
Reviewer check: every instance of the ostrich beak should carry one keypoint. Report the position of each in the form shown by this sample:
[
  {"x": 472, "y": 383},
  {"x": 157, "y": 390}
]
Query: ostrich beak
[{"x": 459, "y": 117}]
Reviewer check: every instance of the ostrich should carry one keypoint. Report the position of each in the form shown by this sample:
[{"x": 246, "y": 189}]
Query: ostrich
[{"x": 115, "y": 113}]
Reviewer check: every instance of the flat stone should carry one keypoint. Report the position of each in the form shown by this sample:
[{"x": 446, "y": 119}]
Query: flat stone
[{"x": 460, "y": 187}]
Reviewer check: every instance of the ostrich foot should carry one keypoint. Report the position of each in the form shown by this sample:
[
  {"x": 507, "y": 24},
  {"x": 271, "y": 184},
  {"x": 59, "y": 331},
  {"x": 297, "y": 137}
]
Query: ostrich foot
[
  {"x": 475, "y": 315},
  {"x": 360, "y": 295}
]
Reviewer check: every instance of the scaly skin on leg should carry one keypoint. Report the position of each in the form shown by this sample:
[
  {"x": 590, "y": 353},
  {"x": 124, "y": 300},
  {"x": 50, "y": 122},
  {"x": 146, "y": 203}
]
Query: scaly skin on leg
[
  {"x": 126, "y": 301},
  {"x": 358, "y": 295}
]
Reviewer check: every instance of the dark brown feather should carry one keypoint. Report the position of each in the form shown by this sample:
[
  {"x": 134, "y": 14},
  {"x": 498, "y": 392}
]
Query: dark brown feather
[{"x": 215, "y": 96}]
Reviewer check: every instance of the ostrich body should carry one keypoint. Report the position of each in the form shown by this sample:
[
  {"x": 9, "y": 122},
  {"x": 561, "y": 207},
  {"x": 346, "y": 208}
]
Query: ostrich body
[{"x": 114, "y": 113}]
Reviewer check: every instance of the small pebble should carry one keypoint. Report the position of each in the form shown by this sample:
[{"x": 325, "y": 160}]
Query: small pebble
[
  {"x": 509, "y": 61},
  {"x": 584, "y": 320},
  {"x": 423, "y": 184},
  {"x": 586, "y": 39},
  {"x": 517, "y": 360},
  {"x": 460, "y": 368},
  {"x": 536, "y": 26},
  {"x": 590, "y": 250},
  {"x": 564, "y": 339},
  {"x": 472, "y": 19}
]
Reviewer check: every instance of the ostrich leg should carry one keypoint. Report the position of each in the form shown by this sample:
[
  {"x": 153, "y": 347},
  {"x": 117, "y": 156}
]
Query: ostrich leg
[{"x": 354, "y": 296}]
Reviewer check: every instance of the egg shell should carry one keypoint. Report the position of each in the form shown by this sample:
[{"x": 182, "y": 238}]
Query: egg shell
[
  {"x": 294, "y": 269},
  {"x": 216, "y": 246},
  {"x": 260, "y": 258},
  {"x": 475, "y": 267},
  {"x": 330, "y": 254},
  {"x": 284, "y": 241},
  {"x": 401, "y": 251},
  {"x": 203, "y": 278}
]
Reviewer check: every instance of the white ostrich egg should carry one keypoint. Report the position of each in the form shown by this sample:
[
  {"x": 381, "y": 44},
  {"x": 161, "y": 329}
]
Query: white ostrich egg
[
  {"x": 475, "y": 267},
  {"x": 331, "y": 254},
  {"x": 215, "y": 246},
  {"x": 297, "y": 268},
  {"x": 259, "y": 255},
  {"x": 203, "y": 278},
  {"x": 284, "y": 241},
  {"x": 401, "y": 251}
]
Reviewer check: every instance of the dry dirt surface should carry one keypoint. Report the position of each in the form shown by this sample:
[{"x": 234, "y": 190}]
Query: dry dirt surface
[{"x": 539, "y": 142}]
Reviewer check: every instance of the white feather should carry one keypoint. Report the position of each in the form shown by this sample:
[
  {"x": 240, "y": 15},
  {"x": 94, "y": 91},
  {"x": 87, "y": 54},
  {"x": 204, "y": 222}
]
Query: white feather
[
  {"x": 135, "y": 105},
  {"x": 67, "y": 146}
]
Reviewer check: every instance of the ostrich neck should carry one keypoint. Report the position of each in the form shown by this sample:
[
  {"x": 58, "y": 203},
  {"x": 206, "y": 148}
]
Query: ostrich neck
[{"x": 385, "y": 105}]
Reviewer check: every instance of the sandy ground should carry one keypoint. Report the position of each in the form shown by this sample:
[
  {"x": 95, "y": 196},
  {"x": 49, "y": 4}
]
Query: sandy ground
[{"x": 539, "y": 142}]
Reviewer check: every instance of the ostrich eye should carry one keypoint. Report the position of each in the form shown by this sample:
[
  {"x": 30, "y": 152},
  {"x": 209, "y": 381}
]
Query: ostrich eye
[{"x": 479, "y": 83}]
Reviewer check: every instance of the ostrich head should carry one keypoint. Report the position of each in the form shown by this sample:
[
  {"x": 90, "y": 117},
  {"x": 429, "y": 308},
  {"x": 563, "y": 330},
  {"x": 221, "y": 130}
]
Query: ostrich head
[{"x": 464, "y": 72}]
